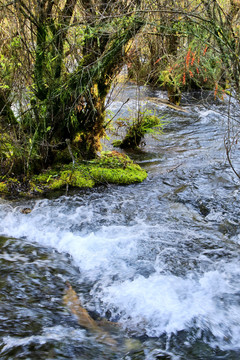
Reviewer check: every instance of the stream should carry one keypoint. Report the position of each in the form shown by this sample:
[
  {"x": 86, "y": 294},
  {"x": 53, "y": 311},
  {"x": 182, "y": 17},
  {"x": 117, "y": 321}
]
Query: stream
[{"x": 160, "y": 259}]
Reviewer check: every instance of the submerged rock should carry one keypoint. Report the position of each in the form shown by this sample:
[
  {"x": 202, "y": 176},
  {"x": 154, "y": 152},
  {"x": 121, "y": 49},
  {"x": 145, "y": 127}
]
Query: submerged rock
[{"x": 26, "y": 211}]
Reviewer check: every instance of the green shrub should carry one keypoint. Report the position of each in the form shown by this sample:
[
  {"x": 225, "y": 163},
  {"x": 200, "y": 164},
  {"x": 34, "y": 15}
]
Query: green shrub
[{"x": 137, "y": 127}]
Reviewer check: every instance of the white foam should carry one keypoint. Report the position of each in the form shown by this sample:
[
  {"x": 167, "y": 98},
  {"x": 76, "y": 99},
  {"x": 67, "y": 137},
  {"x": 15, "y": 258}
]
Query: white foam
[
  {"x": 166, "y": 303},
  {"x": 56, "y": 333},
  {"x": 158, "y": 303},
  {"x": 104, "y": 252}
]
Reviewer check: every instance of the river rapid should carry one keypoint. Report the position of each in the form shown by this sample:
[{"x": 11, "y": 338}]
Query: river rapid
[{"x": 160, "y": 258}]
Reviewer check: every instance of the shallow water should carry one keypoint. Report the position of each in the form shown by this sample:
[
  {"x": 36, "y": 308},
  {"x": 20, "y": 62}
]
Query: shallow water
[{"x": 160, "y": 258}]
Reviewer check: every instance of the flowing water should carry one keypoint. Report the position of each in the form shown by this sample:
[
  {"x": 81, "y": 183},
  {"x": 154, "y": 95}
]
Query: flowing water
[{"x": 161, "y": 258}]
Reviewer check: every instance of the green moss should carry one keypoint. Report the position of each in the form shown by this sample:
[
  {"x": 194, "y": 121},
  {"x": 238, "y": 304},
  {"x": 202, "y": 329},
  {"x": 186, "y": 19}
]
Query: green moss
[
  {"x": 45, "y": 177},
  {"x": 34, "y": 188},
  {"x": 82, "y": 179},
  {"x": 3, "y": 187},
  {"x": 57, "y": 184},
  {"x": 10, "y": 187},
  {"x": 137, "y": 128},
  {"x": 117, "y": 143},
  {"x": 71, "y": 177},
  {"x": 116, "y": 168},
  {"x": 118, "y": 176},
  {"x": 111, "y": 168},
  {"x": 113, "y": 159}
]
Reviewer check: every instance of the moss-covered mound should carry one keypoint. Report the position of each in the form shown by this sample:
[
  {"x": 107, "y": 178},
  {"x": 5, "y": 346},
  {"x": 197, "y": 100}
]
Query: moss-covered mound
[{"x": 111, "y": 168}]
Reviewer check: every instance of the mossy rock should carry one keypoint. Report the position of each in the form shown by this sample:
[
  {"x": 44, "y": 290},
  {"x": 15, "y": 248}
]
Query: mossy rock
[
  {"x": 125, "y": 176},
  {"x": 72, "y": 177},
  {"x": 111, "y": 168}
]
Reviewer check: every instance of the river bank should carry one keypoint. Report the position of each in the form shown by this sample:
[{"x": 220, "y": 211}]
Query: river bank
[{"x": 111, "y": 167}]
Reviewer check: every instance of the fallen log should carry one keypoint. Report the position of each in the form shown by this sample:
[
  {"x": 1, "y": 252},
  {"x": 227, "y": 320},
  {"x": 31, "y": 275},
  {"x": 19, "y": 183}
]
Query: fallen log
[{"x": 167, "y": 103}]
